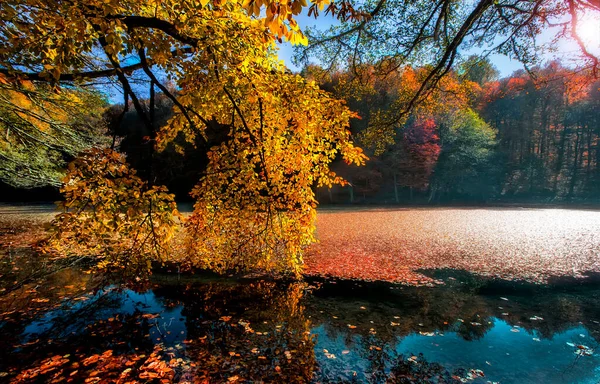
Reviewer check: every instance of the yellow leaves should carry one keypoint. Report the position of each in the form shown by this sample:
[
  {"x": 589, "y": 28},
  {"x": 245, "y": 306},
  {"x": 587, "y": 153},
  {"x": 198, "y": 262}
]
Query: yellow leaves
[
  {"x": 255, "y": 205},
  {"x": 112, "y": 214},
  {"x": 321, "y": 3},
  {"x": 271, "y": 136},
  {"x": 298, "y": 38}
]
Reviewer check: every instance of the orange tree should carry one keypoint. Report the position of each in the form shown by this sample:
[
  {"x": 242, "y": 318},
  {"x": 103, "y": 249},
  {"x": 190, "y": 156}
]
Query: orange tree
[{"x": 268, "y": 135}]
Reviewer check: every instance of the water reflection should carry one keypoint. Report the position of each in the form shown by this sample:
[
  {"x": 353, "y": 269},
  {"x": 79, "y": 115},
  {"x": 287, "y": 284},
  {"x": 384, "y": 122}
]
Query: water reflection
[{"x": 213, "y": 331}]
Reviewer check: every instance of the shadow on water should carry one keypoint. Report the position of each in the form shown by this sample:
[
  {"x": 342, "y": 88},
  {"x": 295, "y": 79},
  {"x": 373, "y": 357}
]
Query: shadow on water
[{"x": 224, "y": 330}]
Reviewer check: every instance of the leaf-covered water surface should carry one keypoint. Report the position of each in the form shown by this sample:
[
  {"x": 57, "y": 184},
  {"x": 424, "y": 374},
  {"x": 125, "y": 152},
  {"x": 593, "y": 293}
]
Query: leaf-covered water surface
[
  {"x": 67, "y": 326},
  {"x": 512, "y": 243}
]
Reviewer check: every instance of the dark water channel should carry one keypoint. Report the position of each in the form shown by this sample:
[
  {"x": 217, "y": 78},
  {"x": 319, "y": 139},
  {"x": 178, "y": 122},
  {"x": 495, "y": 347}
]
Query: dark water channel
[{"x": 220, "y": 331}]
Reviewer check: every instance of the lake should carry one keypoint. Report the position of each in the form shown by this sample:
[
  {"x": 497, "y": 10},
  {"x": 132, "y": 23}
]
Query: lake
[{"x": 458, "y": 327}]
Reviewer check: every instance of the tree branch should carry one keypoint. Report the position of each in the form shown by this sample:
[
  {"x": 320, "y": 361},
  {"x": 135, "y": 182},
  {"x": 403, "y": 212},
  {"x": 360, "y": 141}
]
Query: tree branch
[{"x": 75, "y": 76}]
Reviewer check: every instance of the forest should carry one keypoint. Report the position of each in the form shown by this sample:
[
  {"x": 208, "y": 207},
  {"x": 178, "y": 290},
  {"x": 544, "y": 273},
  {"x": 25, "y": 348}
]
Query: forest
[{"x": 483, "y": 139}]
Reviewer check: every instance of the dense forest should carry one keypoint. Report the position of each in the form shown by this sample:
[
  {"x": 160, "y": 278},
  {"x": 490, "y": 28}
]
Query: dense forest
[{"x": 529, "y": 137}]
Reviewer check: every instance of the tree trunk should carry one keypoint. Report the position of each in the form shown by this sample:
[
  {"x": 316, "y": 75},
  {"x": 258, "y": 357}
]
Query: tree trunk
[
  {"x": 574, "y": 169},
  {"x": 396, "y": 189}
]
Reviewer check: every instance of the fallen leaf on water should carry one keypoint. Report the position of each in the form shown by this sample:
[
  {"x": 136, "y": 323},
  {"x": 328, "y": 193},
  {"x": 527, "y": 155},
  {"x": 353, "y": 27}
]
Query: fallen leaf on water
[{"x": 40, "y": 300}]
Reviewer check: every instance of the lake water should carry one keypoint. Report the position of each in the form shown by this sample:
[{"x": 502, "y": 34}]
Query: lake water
[
  {"x": 460, "y": 327},
  {"x": 321, "y": 331}
]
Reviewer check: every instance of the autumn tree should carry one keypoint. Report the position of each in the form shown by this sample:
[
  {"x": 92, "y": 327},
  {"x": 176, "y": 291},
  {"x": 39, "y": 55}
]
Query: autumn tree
[
  {"x": 413, "y": 159},
  {"x": 267, "y": 136},
  {"x": 465, "y": 167},
  {"x": 547, "y": 130},
  {"x": 43, "y": 129},
  {"x": 479, "y": 70},
  {"x": 432, "y": 35}
]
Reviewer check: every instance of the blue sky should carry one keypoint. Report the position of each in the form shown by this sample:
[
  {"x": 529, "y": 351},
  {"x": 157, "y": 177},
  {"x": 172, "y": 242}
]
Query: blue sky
[{"x": 566, "y": 50}]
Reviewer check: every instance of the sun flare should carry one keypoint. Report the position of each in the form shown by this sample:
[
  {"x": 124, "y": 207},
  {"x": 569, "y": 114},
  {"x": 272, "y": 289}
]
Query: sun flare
[{"x": 588, "y": 29}]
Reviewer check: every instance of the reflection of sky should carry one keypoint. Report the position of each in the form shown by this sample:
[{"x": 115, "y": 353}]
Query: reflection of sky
[
  {"x": 504, "y": 356},
  {"x": 169, "y": 325}
]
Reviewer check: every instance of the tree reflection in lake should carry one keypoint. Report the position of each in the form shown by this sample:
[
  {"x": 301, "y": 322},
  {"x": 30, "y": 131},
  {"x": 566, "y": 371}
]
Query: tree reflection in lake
[{"x": 217, "y": 331}]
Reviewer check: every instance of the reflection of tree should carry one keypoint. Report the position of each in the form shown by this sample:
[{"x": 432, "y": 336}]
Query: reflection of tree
[
  {"x": 75, "y": 330},
  {"x": 259, "y": 331},
  {"x": 416, "y": 370},
  {"x": 255, "y": 331},
  {"x": 28, "y": 301},
  {"x": 397, "y": 312},
  {"x": 561, "y": 308},
  {"x": 470, "y": 310}
]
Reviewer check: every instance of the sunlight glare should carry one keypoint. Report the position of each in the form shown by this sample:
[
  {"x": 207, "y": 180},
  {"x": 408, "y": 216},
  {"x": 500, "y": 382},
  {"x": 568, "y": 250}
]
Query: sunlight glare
[{"x": 588, "y": 30}]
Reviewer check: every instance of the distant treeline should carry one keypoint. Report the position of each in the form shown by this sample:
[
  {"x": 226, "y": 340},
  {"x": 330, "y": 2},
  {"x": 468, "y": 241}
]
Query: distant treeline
[{"x": 530, "y": 137}]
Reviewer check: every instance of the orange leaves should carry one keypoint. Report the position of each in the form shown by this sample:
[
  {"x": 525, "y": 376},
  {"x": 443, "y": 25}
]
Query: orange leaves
[
  {"x": 93, "y": 359},
  {"x": 113, "y": 214},
  {"x": 154, "y": 368},
  {"x": 40, "y": 300},
  {"x": 47, "y": 367},
  {"x": 104, "y": 367}
]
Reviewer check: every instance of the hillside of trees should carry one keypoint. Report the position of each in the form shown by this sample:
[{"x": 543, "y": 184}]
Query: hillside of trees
[{"x": 479, "y": 138}]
